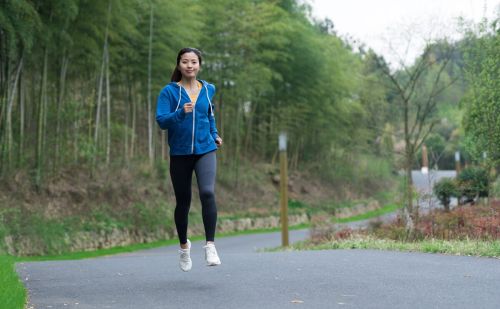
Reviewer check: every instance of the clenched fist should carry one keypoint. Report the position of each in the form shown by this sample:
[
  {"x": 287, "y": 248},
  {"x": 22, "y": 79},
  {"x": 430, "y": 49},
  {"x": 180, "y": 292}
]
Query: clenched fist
[
  {"x": 188, "y": 107},
  {"x": 218, "y": 141}
]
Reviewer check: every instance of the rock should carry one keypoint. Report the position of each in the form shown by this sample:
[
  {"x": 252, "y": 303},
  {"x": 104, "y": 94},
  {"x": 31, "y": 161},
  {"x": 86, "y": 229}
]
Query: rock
[{"x": 276, "y": 179}]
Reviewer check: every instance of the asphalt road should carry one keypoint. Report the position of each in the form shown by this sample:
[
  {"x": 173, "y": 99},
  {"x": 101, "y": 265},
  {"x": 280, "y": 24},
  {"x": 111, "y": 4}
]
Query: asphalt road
[
  {"x": 251, "y": 279},
  {"x": 424, "y": 183}
]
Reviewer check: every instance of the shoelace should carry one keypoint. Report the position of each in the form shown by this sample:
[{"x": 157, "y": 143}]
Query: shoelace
[
  {"x": 211, "y": 252},
  {"x": 184, "y": 255}
]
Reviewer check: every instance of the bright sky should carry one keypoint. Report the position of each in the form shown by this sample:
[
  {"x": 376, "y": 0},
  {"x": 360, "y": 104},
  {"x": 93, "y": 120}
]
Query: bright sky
[{"x": 377, "y": 23}]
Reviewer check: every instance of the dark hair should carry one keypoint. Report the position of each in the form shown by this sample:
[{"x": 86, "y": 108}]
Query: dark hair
[{"x": 177, "y": 75}]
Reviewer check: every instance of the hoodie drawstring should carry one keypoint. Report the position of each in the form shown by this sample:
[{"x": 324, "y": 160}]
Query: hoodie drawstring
[
  {"x": 208, "y": 98},
  {"x": 179, "y": 102},
  {"x": 209, "y": 102}
]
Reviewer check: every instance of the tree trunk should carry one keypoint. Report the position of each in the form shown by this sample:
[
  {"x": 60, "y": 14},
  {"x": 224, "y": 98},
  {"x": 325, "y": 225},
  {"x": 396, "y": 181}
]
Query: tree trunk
[
  {"x": 4, "y": 77},
  {"x": 408, "y": 209},
  {"x": 163, "y": 145},
  {"x": 22, "y": 94},
  {"x": 236, "y": 160},
  {"x": 8, "y": 116},
  {"x": 108, "y": 111},
  {"x": 134, "y": 121},
  {"x": 60, "y": 98},
  {"x": 101, "y": 76},
  {"x": 249, "y": 131},
  {"x": 220, "y": 121},
  {"x": 150, "y": 121},
  {"x": 41, "y": 121},
  {"x": 98, "y": 108},
  {"x": 127, "y": 119}
]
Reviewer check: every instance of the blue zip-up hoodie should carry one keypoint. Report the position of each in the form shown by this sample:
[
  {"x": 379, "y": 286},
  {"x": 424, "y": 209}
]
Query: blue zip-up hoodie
[{"x": 188, "y": 133}]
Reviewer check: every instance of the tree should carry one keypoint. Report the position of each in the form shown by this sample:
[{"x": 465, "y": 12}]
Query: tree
[
  {"x": 18, "y": 19},
  {"x": 417, "y": 88},
  {"x": 445, "y": 189},
  {"x": 482, "y": 119}
]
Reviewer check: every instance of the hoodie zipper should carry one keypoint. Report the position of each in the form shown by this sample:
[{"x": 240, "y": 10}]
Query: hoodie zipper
[{"x": 194, "y": 117}]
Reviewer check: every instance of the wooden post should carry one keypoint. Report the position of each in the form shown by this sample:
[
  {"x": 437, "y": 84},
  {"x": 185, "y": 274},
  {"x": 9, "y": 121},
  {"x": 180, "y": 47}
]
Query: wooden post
[
  {"x": 457, "y": 162},
  {"x": 283, "y": 189},
  {"x": 425, "y": 160}
]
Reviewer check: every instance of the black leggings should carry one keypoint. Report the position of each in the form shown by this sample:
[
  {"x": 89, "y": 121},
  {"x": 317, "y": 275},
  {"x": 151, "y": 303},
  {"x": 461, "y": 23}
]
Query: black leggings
[{"x": 181, "y": 172}]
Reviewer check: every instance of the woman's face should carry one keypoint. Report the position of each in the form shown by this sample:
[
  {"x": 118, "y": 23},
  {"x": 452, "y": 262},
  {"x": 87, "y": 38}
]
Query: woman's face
[{"x": 189, "y": 65}]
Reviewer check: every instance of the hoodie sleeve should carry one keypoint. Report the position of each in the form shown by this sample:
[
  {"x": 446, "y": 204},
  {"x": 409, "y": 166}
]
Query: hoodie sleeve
[
  {"x": 211, "y": 116},
  {"x": 164, "y": 115}
]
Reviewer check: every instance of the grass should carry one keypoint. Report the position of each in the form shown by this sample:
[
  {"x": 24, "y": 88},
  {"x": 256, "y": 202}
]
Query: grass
[
  {"x": 12, "y": 292},
  {"x": 370, "y": 214},
  {"x": 453, "y": 247}
]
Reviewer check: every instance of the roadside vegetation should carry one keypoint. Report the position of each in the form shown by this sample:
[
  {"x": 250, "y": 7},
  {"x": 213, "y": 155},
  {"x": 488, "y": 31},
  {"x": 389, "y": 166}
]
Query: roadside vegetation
[{"x": 467, "y": 229}]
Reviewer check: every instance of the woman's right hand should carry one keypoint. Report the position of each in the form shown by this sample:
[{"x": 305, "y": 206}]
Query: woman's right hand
[{"x": 188, "y": 107}]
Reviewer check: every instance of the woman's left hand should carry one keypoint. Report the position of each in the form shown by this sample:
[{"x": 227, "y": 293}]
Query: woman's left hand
[{"x": 218, "y": 141}]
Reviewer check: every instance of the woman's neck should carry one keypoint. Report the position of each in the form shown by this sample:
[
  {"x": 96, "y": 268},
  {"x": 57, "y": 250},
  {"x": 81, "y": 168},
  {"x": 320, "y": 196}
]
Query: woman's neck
[{"x": 190, "y": 83}]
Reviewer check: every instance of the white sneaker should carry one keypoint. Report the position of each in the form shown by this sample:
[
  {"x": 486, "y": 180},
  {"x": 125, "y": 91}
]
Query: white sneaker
[
  {"x": 185, "y": 258},
  {"x": 211, "y": 255}
]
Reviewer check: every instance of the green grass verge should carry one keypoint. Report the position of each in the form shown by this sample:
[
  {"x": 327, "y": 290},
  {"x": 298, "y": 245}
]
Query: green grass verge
[
  {"x": 370, "y": 214},
  {"x": 12, "y": 292},
  {"x": 453, "y": 247}
]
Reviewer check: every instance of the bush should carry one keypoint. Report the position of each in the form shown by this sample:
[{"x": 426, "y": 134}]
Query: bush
[
  {"x": 495, "y": 188},
  {"x": 473, "y": 183},
  {"x": 444, "y": 190}
]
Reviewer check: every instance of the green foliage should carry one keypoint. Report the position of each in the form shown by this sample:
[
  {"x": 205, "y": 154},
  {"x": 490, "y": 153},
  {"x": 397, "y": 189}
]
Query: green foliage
[
  {"x": 54, "y": 236},
  {"x": 296, "y": 204},
  {"x": 273, "y": 67},
  {"x": 162, "y": 169},
  {"x": 386, "y": 209},
  {"x": 18, "y": 22},
  {"x": 473, "y": 182},
  {"x": 435, "y": 143},
  {"x": 482, "y": 120},
  {"x": 151, "y": 217},
  {"x": 366, "y": 173},
  {"x": 102, "y": 219},
  {"x": 444, "y": 190},
  {"x": 495, "y": 188}
]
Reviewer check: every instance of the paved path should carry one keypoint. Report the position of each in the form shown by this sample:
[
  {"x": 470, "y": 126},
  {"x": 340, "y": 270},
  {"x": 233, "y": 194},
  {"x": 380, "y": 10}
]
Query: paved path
[
  {"x": 249, "y": 279},
  {"x": 424, "y": 184}
]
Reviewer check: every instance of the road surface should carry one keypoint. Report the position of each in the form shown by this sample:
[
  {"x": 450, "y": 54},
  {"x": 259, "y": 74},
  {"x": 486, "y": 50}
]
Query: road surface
[{"x": 251, "y": 279}]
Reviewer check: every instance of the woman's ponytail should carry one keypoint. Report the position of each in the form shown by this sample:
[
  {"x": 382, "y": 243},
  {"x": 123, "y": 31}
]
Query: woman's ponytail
[{"x": 176, "y": 75}]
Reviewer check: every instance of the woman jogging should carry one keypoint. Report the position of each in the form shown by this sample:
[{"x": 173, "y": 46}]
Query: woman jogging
[{"x": 185, "y": 109}]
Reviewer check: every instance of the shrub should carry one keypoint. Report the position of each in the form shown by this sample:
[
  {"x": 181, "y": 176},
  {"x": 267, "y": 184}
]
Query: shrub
[
  {"x": 444, "y": 190},
  {"x": 495, "y": 188},
  {"x": 473, "y": 183}
]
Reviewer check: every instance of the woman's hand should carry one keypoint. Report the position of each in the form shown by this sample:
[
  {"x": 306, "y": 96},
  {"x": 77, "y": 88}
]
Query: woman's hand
[
  {"x": 218, "y": 141},
  {"x": 188, "y": 107}
]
